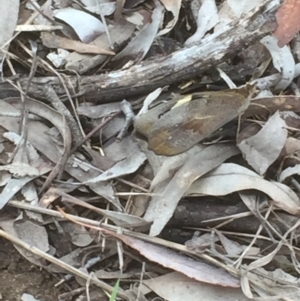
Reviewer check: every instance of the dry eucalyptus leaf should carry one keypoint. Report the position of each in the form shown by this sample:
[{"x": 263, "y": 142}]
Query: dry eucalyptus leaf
[
  {"x": 31, "y": 233},
  {"x": 16, "y": 139},
  {"x": 172, "y": 6},
  {"x": 229, "y": 178},
  {"x": 288, "y": 172},
  {"x": 149, "y": 99},
  {"x": 231, "y": 247},
  {"x": 86, "y": 26},
  {"x": 20, "y": 170},
  {"x": 264, "y": 260},
  {"x": 15, "y": 185},
  {"x": 119, "y": 34},
  {"x": 104, "y": 9},
  {"x": 262, "y": 149},
  {"x": 170, "y": 165},
  {"x": 206, "y": 20},
  {"x": 283, "y": 61},
  {"x": 194, "y": 269},
  {"x": 8, "y": 22},
  {"x": 51, "y": 40},
  {"x": 292, "y": 146},
  {"x": 136, "y": 50},
  {"x": 125, "y": 167},
  {"x": 37, "y": 136},
  {"x": 79, "y": 236},
  {"x": 177, "y": 287},
  {"x": 289, "y": 291},
  {"x": 73, "y": 258},
  {"x": 162, "y": 207}
]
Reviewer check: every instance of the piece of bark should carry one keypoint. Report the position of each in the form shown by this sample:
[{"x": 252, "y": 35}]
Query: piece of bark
[
  {"x": 192, "y": 213},
  {"x": 176, "y": 67}
]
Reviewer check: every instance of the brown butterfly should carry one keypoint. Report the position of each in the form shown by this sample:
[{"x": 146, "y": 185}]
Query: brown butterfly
[{"x": 175, "y": 126}]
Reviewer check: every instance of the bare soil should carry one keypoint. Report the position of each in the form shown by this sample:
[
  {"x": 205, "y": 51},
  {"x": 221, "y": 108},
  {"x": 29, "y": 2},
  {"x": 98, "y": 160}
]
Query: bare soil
[{"x": 18, "y": 276}]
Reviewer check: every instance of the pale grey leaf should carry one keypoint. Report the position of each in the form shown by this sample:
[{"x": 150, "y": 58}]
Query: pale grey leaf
[
  {"x": 283, "y": 61},
  {"x": 262, "y": 149},
  {"x": 125, "y": 167},
  {"x": 229, "y": 178},
  {"x": 288, "y": 172},
  {"x": 162, "y": 207}
]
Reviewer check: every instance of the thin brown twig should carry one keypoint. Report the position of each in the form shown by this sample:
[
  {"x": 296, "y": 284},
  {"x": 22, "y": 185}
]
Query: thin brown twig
[{"x": 93, "y": 131}]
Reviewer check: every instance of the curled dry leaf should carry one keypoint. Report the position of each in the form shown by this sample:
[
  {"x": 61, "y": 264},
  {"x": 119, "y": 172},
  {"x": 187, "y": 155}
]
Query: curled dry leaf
[
  {"x": 283, "y": 61},
  {"x": 206, "y": 20},
  {"x": 262, "y": 149},
  {"x": 174, "y": 7},
  {"x": 149, "y": 99},
  {"x": 229, "y": 178},
  {"x": 271, "y": 80},
  {"x": 288, "y": 172}
]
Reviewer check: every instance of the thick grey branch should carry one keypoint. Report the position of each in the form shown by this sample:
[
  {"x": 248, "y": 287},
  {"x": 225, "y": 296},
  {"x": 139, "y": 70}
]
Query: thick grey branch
[{"x": 180, "y": 65}]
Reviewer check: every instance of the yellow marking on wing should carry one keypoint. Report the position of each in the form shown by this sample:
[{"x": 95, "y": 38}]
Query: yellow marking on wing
[
  {"x": 203, "y": 117},
  {"x": 182, "y": 101}
]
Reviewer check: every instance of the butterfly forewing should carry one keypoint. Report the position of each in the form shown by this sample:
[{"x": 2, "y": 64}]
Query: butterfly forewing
[{"x": 182, "y": 127}]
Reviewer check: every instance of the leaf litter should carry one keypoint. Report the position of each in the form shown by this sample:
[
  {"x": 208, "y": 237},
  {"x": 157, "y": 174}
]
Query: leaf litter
[{"x": 77, "y": 173}]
